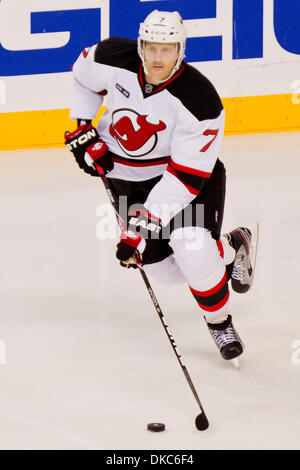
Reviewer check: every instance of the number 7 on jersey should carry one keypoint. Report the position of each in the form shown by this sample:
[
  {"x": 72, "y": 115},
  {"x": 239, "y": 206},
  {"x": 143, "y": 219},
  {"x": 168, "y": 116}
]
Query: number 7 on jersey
[{"x": 209, "y": 132}]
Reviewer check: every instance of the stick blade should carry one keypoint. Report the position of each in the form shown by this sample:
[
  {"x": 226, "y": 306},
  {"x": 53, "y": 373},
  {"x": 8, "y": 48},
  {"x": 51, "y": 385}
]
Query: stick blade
[{"x": 201, "y": 422}]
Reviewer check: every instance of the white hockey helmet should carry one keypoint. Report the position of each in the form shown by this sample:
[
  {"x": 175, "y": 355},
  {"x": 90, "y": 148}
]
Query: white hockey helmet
[{"x": 163, "y": 26}]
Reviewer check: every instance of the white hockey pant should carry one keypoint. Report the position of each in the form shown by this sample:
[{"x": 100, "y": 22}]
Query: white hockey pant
[{"x": 198, "y": 260}]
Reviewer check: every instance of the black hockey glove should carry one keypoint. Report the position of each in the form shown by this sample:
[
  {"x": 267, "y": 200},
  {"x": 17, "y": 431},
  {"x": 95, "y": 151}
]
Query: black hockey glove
[
  {"x": 142, "y": 226},
  {"x": 88, "y": 148}
]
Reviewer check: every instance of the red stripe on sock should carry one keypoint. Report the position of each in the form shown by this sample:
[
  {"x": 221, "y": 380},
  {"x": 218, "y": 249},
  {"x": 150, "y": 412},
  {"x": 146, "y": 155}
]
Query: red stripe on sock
[
  {"x": 212, "y": 291},
  {"x": 188, "y": 186},
  {"x": 216, "y": 307},
  {"x": 221, "y": 249}
]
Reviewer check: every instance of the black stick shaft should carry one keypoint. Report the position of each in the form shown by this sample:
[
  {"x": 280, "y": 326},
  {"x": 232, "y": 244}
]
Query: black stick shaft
[{"x": 152, "y": 295}]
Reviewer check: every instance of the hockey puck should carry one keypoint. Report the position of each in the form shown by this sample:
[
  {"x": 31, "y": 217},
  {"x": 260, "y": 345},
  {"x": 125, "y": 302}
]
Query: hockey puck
[
  {"x": 156, "y": 427},
  {"x": 201, "y": 422}
]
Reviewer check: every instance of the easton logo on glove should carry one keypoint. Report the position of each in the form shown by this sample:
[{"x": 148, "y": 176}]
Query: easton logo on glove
[
  {"x": 147, "y": 227},
  {"x": 82, "y": 139},
  {"x": 88, "y": 148},
  {"x": 144, "y": 225},
  {"x": 145, "y": 221}
]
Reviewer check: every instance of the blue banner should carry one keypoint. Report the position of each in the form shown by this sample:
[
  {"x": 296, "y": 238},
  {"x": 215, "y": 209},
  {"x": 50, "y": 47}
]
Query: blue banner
[
  {"x": 247, "y": 29},
  {"x": 84, "y": 28},
  {"x": 125, "y": 17},
  {"x": 287, "y": 24}
]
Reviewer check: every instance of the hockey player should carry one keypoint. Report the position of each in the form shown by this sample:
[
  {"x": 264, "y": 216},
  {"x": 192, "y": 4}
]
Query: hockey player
[{"x": 158, "y": 144}]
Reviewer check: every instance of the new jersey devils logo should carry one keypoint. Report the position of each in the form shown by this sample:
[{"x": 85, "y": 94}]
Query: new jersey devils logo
[{"x": 135, "y": 134}]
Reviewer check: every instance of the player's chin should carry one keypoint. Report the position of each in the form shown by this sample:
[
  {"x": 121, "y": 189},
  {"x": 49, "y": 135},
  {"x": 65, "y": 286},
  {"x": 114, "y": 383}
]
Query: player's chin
[{"x": 159, "y": 74}]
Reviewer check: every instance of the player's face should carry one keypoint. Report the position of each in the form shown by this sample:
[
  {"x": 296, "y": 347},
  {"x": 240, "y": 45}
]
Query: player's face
[{"x": 160, "y": 60}]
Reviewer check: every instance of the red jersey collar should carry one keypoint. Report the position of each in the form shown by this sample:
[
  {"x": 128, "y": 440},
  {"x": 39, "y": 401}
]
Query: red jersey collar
[{"x": 142, "y": 81}]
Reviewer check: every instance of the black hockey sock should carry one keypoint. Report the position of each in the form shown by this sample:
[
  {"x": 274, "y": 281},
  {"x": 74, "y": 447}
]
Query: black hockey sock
[
  {"x": 229, "y": 268},
  {"x": 220, "y": 326}
]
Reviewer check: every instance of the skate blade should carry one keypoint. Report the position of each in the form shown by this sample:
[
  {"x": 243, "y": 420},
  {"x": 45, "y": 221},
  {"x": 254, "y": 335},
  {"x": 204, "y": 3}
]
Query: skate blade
[
  {"x": 236, "y": 363},
  {"x": 253, "y": 249}
]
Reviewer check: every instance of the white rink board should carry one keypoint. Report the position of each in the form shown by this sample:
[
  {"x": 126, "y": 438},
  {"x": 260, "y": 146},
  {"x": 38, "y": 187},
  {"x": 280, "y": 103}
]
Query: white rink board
[{"x": 277, "y": 72}]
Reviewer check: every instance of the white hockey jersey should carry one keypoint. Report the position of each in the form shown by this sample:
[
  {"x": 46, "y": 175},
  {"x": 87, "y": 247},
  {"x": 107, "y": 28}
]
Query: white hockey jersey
[{"x": 175, "y": 129}]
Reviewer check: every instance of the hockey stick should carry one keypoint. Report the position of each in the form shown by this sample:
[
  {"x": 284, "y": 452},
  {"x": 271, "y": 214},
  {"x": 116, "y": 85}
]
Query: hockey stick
[{"x": 201, "y": 420}]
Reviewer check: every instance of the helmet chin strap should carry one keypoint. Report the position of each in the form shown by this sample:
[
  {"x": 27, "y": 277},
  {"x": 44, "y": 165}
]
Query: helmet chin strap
[
  {"x": 161, "y": 81},
  {"x": 175, "y": 68}
]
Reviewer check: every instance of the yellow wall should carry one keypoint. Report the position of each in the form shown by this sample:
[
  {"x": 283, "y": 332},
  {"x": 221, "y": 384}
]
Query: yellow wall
[
  {"x": 273, "y": 113},
  {"x": 251, "y": 114}
]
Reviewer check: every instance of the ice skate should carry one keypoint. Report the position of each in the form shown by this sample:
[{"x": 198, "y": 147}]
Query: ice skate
[
  {"x": 244, "y": 242},
  {"x": 226, "y": 338}
]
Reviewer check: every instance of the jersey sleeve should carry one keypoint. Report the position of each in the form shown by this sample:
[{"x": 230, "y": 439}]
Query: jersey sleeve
[
  {"x": 90, "y": 83},
  {"x": 195, "y": 148}
]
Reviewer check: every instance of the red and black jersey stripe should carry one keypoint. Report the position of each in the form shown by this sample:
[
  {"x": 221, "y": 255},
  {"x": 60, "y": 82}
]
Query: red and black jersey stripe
[
  {"x": 138, "y": 162},
  {"x": 193, "y": 180}
]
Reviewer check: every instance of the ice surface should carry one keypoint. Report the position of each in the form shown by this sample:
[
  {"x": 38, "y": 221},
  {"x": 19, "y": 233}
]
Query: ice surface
[{"x": 88, "y": 363}]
